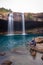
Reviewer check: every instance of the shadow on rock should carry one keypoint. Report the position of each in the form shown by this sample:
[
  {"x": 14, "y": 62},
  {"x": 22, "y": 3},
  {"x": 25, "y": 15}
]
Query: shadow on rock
[{"x": 7, "y": 62}]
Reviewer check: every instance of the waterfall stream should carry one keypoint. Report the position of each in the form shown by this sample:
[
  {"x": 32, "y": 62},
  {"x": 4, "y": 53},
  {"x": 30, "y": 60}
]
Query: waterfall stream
[
  {"x": 10, "y": 24},
  {"x": 23, "y": 24}
]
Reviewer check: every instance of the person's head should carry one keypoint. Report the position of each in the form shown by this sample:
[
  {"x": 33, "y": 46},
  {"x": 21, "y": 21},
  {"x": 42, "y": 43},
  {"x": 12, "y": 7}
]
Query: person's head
[{"x": 33, "y": 40}]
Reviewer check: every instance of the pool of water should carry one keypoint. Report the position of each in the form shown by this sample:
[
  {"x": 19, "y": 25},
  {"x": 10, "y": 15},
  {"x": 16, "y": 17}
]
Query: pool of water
[
  {"x": 23, "y": 56},
  {"x": 9, "y": 42}
]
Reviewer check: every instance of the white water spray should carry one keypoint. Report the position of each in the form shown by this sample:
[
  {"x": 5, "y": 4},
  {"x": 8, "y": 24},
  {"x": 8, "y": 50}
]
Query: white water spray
[
  {"x": 23, "y": 24},
  {"x": 10, "y": 24}
]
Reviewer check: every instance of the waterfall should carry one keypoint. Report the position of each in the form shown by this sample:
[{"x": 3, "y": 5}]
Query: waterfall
[
  {"x": 23, "y": 24},
  {"x": 10, "y": 24}
]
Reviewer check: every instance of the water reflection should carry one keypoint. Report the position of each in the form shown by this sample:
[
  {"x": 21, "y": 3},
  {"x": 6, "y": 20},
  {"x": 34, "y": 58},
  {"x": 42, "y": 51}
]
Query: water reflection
[
  {"x": 9, "y": 42},
  {"x": 33, "y": 53},
  {"x": 21, "y": 56}
]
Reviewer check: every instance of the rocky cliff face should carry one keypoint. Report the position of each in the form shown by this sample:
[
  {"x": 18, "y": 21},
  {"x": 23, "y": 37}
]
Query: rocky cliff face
[
  {"x": 32, "y": 20},
  {"x": 4, "y": 13},
  {"x": 34, "y": 16},
  {"x": 18, "y": 16}
]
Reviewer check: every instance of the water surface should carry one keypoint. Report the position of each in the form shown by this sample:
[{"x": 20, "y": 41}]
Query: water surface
[{"x": 22, "y": 56}]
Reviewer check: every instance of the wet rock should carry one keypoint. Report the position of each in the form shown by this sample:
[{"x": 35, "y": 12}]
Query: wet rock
[
  {"x": 39, "y": 39},
  {"x": 42, "y": 57},
  {"x": 7, "y": 62},
  {"x": 33, "y": 53},
  {"x": 2, "y": 53},
  {"x": 38, "y": 48}
]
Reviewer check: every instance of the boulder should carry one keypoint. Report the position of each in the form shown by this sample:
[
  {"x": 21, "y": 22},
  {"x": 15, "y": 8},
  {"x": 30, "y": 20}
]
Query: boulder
[
  {"x": 33, "y": 53},
  {"x": 39, "y": 48},
  {"x": 2, "y": 53},
  {"x": 42, "y": 57},
  {"x": 7, "y": 62},
  {"x": 39, "y": 39}
]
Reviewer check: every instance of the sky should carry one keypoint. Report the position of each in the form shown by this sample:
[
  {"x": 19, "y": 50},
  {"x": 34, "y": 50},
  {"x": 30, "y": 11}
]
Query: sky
[{"x": 33, "y": 6}]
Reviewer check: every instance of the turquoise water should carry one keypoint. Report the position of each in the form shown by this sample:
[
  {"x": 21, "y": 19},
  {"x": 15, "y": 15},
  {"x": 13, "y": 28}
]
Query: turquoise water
[
  {"x": 22, "y": 56},
  {"x": 9, "y": 42}
]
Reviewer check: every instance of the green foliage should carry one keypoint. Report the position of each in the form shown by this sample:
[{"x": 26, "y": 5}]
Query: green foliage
[
  {"x": 29, "y": 16},
  {"x": 4, "y": 10}
]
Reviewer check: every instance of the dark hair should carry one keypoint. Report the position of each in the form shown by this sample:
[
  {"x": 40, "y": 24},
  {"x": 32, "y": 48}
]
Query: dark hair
[{"x": 32, "y": 40}]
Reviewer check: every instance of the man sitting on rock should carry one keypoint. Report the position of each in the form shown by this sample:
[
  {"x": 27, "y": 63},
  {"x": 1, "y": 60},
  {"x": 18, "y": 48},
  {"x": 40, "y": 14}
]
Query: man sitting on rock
[{"x": 33, "y": 42}]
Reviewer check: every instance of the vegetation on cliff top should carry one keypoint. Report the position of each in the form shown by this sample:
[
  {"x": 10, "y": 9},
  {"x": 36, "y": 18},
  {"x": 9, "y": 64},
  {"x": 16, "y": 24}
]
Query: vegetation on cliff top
[
  {"x": 28, "y": 16},
  {"x": 4, "y": 10}
]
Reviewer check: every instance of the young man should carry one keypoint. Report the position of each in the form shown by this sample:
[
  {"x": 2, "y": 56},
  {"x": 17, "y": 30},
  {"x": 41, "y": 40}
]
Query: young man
[{"x": 33, "y": 42}]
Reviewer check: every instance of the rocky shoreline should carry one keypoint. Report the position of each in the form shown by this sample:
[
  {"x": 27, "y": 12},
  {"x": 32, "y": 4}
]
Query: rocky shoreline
[
  {"x": 30, "y": 31},
  {"x": 39, "y": 45}
]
